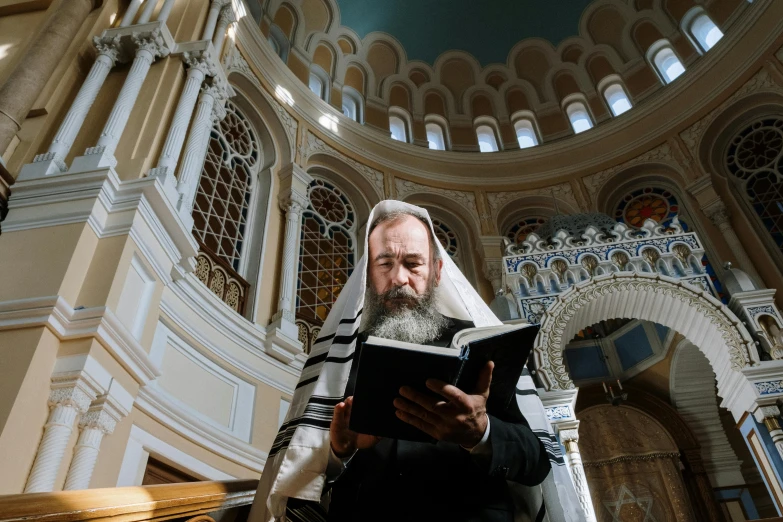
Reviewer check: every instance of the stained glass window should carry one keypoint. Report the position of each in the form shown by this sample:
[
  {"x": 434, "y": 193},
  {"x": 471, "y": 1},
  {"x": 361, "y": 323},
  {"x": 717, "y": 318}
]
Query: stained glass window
[
  {"x": 755, "y": 159},
  {"x": 221, "y": 205},
  {"x": 447, "y": 237},
  {"x": 326, "y": 251},
  {"x": 519, "y": 231}
]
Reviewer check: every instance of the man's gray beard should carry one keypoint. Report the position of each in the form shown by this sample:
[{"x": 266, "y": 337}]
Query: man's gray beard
[{"x": 420, "y": 323}]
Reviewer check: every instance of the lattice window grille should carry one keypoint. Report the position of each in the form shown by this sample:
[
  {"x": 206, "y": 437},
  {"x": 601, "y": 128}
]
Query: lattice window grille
[
  {"x": 223, "y": 197},
  {"x": 519, "y": 231},
  {"x": 327, "y": 250},
  {"x": 447, "y": 238},
  {"x": 755, "y": 160}
]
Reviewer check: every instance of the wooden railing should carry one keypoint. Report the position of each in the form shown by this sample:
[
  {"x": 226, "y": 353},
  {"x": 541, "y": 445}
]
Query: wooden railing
[
  {"x": 191, "y": 501},
  {"x": 221, "y": 278}
]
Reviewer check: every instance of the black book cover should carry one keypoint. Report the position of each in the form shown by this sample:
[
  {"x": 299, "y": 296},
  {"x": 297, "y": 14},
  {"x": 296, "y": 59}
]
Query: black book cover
[{"x": 379, "y": 371}]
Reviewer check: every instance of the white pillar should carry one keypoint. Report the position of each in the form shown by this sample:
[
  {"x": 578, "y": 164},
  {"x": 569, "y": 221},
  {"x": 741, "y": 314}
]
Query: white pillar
[
  {"x": 208, "y": 110},
  {"x": 570, "y": 438},
  {"x": 146, "y": 14},
  {"x": 769, "y": 416},
  {"x": 293, "y": 205},
  {"x": 100, "y": 420},
  {"x": 720, "y": 217},
  {"x": 66, "y": 404},
  {"x": 130, "y": 13},
  {"x": 212, "y": 16},
  {"x": 165, "y": 11},
  {"x": 53, "y": 161},
  {"x": 148, "y": 47},
  {"x": 226, "y": 18},
  {"x": 199, "y": 68}
]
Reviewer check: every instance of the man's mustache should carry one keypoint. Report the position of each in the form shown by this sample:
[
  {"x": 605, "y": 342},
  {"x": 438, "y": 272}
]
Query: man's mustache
[{"x": 401, "y": 292}]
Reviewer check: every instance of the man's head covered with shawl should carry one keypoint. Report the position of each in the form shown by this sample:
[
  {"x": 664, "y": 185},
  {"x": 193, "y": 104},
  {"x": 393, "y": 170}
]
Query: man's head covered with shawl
[{"x": 297, "y": 462}]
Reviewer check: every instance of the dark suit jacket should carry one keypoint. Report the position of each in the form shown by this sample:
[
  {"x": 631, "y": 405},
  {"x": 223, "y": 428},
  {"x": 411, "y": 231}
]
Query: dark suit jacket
[{"x": 409, "y": 481}]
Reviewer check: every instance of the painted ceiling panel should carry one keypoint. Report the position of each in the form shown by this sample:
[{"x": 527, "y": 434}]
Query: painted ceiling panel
[
  {"x": 633, "y": 347},
  {"x": 586, "y": 362},
  {"x": 487, "y": 29}
]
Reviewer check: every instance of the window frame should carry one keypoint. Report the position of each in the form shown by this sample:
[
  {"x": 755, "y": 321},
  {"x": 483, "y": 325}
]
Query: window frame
[
  {"x": 326, "y": 82},
  {"x": 530, "y": 118},
  {"x": 356, "y": 97},
  {"x": 277, "y": 36},
  {"x": 687, "y": 23},
  {"x": 658, "y": 47},
  {"x": 570, "y": 101},
  {"x": 442, "y": 123},
  {"x": 405, "y": 117},
  {"x": 607, "y": 83},
  {"x": 492, "y": 124}
]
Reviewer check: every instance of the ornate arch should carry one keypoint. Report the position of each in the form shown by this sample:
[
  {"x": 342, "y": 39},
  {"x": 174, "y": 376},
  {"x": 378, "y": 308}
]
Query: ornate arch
[{"x": 695, "y": 314}]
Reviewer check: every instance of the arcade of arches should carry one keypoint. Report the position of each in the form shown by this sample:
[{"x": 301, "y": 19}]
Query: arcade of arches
[{"x": 184, "y": 186}]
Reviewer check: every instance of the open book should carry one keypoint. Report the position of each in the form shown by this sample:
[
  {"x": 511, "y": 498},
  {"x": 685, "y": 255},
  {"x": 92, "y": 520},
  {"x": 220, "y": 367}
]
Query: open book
[{"x": 382, "y": 366}]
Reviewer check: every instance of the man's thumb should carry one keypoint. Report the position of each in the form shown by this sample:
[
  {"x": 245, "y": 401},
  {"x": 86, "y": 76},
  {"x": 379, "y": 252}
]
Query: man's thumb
[{"x": 485, "y": 379}]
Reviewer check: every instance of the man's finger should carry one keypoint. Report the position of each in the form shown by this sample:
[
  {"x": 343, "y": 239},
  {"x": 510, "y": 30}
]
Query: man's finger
[
  {"x": 416, "y": 422},
  {"x": 451, "y": 393},
  {"x": 416, "y": 410},
  {"x": 485, "y": 379},
  {"x": 425, "y": 401}
]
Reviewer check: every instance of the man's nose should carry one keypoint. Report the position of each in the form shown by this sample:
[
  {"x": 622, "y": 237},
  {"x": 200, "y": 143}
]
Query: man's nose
[{"x": 399, "y": 276}]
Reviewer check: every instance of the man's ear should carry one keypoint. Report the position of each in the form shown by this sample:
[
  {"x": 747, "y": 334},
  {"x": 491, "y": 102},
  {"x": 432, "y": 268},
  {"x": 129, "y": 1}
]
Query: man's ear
[{"x": 438, "y": 268}]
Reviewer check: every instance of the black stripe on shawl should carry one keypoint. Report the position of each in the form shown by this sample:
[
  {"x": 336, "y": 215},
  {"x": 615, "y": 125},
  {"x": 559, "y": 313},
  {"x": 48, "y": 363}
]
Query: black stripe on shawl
[
  {"x": 341, "y": 339},
  {"x": 527, "y": 392},
  {"x": 306, "y": 382}
]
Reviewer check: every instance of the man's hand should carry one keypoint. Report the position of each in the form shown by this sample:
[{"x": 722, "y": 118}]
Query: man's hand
[
  {"x": 461, "y": 418},
  {"x": 344, "y": 441}
]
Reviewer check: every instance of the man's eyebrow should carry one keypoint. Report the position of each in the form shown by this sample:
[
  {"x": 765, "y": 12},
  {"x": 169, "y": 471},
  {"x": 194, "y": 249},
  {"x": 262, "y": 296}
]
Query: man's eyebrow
[{"x": 391, "y": 255}]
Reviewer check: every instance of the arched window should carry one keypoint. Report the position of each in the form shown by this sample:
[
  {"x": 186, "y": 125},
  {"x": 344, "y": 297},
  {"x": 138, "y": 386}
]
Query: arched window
[
  {"x": 701, "y": 29},
  {"x": 526, "y": 133},
  {"x": 486, "y": 138},
  {"x": 221, "y": 207},
  {"x": 616, "y": 98},
  {"x": 352, "y": 104},
  {"x": 399, "y": 124},
  {"x": 435, "y": 138},
  {"x": 519, "y": 231},
  {"x": 449, "y": 240},
  {"x": 665, "y": 61},
  {"x": 579, "y": 117},
  {"x": 326, "y": 251},
  {"x": 754, "y": 159},
  {"x": 279, "y": 42},
  {"x": 319, "y": 82}
]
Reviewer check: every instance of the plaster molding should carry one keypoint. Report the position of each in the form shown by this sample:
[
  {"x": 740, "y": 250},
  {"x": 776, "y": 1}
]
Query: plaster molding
[
  {"x": 563, "y": 191},
  {"x": 66, "y": 323},
  {"x": 156, "y": 403},
  {"x": 660, "y": 154},
  {"x": 405, "y": 188},
  {"x": 315, "y": 145},
  {"x": 761, "y": 82}
]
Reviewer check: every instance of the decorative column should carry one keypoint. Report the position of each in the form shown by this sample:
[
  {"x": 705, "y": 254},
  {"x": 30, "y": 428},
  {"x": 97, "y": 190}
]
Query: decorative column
[
  {"x": 212, "y": 17},
  {"x": 148, "y": 47},
  {"x": 569, "y": 438},
  {"x": 199, "y": 67},
  {"x": 66, "y": 403},
  {"x": 209, "y": 110},
  {"x": 36, "y": 66},
  {"x": 53, "y": 161},
  {"x": 282, "y": 332},
  {"x": 226, "y": 18},
  {"x": 100, "y": 420},
  {"x": 769, "y": 416},
  {"x": 720, "y": 217},
  {"x": 130, "y": 13},
  {"x": 165, "y": 11},
  {"x": 146, "y": 13}
]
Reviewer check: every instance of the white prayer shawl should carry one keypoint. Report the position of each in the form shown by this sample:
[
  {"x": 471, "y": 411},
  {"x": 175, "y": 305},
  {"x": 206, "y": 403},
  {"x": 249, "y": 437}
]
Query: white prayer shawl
[{"x": 296, "y": 465}]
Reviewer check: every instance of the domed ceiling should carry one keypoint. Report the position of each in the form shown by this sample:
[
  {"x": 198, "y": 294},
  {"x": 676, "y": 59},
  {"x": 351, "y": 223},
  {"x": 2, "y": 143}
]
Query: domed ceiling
[{"x": 487, "y": 29}]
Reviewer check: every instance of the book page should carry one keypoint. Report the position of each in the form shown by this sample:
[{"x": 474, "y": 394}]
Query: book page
[
  {"x": 468, "y": 335},
  {"x": 440, "y": 350}
]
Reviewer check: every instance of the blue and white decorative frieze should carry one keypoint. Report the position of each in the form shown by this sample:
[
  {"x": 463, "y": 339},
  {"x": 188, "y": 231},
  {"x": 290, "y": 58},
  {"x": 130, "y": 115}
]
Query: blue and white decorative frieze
[
  {"x": 753, "y": 311},
  {"x": 559, "y": 413},
  {"x": 766, "y": 388}
]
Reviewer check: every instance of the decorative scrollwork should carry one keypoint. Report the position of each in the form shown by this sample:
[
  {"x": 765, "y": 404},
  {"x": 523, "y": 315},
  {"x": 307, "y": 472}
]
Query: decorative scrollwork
[
  {"x": 308, "y": 334},
  {"x": 221, "y": 279}
]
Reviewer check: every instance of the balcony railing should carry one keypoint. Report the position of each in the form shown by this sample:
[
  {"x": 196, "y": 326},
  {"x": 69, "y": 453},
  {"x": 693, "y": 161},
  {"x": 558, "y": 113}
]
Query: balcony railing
[{"x": 221, "y": 279}]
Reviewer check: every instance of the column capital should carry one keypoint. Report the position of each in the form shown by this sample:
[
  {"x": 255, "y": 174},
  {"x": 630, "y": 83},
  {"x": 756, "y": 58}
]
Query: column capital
[
  {"x": 570, "y": 435},
  {"x": 109, "y": 46},
  {"x": 201, "y": 60},
  {"x": 152, "y": 42},
  {"x": 76, "y": 395},
  {"x": 294, "y": 181},
  {"x": 769, "y": 411},
  {"x": 718, "y": 213},
  {"x": 227, "y": 15},
  {"x": 217, "y": 4}
]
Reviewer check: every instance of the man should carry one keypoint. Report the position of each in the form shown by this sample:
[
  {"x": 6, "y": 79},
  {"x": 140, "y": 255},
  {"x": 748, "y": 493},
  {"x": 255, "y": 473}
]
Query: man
[
  {"x": 482, "y": 467},
  {"x": 463, "y": 476}
]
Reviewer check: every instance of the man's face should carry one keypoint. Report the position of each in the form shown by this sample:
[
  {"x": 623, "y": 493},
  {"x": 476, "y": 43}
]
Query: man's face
[{"x": 400, "y": 258}]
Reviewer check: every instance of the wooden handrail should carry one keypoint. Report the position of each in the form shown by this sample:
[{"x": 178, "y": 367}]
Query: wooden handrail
[{"x": 130, "y": 504}]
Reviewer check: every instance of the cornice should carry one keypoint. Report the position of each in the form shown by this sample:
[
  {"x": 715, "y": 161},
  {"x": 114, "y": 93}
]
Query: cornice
[{"x": 714, "y": 76}]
